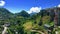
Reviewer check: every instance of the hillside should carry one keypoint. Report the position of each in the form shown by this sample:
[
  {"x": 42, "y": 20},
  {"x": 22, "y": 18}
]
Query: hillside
[{"x": 23, "y": 23}]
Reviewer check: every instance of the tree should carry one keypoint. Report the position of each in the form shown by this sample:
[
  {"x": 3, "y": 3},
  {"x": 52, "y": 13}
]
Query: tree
[
  {"x": 40, "y": 23},
  {"x": 43, "y": 12},
  {"x": 52, "y": 15}
]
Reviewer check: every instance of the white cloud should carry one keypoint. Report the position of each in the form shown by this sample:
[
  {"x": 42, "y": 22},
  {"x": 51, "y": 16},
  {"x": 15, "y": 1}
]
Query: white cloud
[
  {"x": 2, "y": 3},
  {"x": 59, "y": 5},
  {"x": 34, "y": 9}
]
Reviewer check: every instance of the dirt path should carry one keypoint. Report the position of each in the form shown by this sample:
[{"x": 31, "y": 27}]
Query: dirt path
[
  {"x": 37, "y": 31},
  {"x": 4, "y": 31}
]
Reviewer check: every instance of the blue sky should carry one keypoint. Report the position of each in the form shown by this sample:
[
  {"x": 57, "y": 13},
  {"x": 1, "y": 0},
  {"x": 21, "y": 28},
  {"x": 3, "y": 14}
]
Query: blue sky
[{"x": 15, "y": 6}]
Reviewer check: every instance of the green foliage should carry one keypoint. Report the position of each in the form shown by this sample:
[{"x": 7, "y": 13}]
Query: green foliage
[
  {"x": 23, "y": 13},
  {"x": 23, "y": 23}
]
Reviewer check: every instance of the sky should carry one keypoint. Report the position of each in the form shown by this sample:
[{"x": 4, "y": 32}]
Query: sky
[{"x": 16, "y": 6}]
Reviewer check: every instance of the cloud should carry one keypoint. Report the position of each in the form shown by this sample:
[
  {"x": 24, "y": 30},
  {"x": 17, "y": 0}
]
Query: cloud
[
  {"x": 2, "y": 3},
  {"x": 59, "y": 5},
  {"x": 34, "y": 9}
]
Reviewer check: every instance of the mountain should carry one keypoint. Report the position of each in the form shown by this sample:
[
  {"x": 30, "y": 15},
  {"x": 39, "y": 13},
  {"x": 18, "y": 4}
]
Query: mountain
[
  {"x": 5, "y": 14},
  {"x": 33, "y": 13},
  {"x": 38, "y": 21},
  {"x": 23, "y": 13}
]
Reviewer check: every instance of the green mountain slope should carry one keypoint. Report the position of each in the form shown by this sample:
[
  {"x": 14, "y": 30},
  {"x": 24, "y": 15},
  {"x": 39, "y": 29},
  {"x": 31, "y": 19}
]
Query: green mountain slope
[{"x": 23, "y": 23}]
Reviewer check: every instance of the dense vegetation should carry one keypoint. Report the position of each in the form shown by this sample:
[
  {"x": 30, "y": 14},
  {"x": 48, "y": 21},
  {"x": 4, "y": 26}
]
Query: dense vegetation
[{"x": 23, "y": 23}]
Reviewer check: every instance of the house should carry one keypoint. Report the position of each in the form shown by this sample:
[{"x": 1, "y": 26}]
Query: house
[{"x": 7, "y": 24}]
